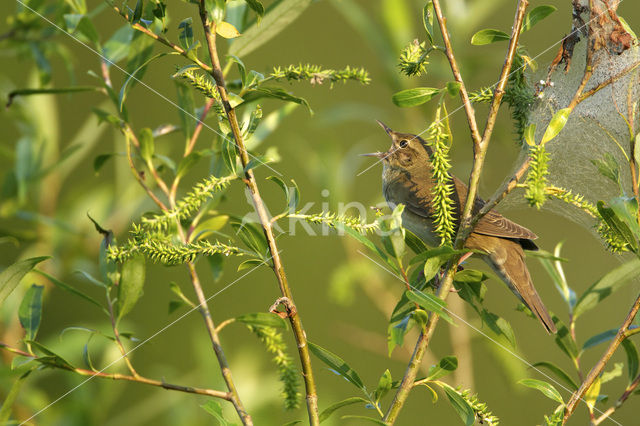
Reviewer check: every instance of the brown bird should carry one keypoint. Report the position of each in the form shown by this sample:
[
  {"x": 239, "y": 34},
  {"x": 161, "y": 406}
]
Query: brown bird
[{"x": 407, "y": 179}]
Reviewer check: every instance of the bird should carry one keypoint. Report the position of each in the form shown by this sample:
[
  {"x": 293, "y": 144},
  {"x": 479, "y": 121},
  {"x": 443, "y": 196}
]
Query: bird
[{"x": 407, "y": 178}]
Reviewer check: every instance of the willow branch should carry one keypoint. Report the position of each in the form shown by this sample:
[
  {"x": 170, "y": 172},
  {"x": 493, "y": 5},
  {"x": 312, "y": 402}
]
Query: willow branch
[
  {"x": 135, "y": 378},
  {"x": 250, "y": 181},
  {"x": 600, "y": 365},
  {"x": 137, "y": 174},
  {"x": 162, "y": 40},
  {"x": 630, "y": 389},
  {"x": 480, "y": 148},
  {"x": 116, "y": 334}
]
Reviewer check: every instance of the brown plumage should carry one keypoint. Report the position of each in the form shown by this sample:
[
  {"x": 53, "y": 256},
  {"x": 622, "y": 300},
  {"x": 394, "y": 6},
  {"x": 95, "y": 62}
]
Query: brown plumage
[{"x": 407, "y": 179}]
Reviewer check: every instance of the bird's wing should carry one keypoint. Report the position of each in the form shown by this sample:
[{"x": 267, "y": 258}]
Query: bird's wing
[{"x": 417, "y": 199}]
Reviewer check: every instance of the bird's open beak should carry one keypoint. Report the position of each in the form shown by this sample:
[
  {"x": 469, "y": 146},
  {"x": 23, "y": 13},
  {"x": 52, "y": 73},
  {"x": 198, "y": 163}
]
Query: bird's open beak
[
  {"x": 385, "y": 127},
  {"x": 379, "y": 155}
]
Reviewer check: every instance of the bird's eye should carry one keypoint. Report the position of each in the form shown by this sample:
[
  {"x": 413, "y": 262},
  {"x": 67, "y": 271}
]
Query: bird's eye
[{"x": 404, "y": 143}]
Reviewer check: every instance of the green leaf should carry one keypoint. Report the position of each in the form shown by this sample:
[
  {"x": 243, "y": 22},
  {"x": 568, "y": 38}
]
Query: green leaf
[
  {"x": 384, "y": 385},
  {"x": 80, "y": 25},
  {"x": 9, "y": 401},
  {"x": 11, "y": 276},
  {"x": 606, "y": 285},
  {"x": 500, "y": 326},
  {"x": 564, "y": 340},
  {"x": 117, "y": 47},
  {"x": 453, "y": 88},
  {"x": 50, "y": 358},
  {"x": 30, "y": 311},
  {"x": 214, "y": 408},
  {"x": 278, "y": 17},
  {"x": 608, "y": 167},
  {"x": 337, "y": 364},
  {"x": 369, "y": 244},
  {"x": 131, "y": 285},
  {"x": 530, "y": 135},
  {"x": 427, "y": 20},
  {"x": 632, "y": 359},
  {"x": 70, "y": 289},
  {"x": 488, "y": 36},
  {"x": 414, "y": 97},
  {"x": 416, "y": 244},
  {"x": 327, "y": 412},
  {"x": 556, "y": 125},
  {"x": 52, "y": 91},
  {"x": 617, "y": 225},
  {"x": 547, "y": 389},
  {"x": 146, "y": 144},
  {"x": 430, "y": 303},
  {"x": 137, "y": 13},
  {"x": 253, "y": 237},
  {"x": 559, "y": 373},
  {"x": 274, "y": 93},
  {"x": 462, "y": 407},
  {"x": 262, "y": 319},
  {"x": 251, "y": 263},
  {"x": 185, "y": 37},
  {"x": 257, "y": 7},
  {"x": 536, "y": 15},
  {"x": 444, "y": 367},
  {"x": 605, "y": 336},
  {"x": 626, "y": 209}
]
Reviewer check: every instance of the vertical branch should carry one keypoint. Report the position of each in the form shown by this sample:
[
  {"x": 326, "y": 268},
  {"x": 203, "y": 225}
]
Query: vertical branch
[
  {"x": 480, "y": 146},
  {"x": 234, "y": 397},
  {"x": 252, "y": 186},
  {"x": 597, "y": 369}
]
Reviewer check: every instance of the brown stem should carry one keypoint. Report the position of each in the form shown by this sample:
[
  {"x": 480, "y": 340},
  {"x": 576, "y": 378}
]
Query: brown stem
[
  {"x": 632, "y": 387},
  {"x": 116, "y": 334},
  {"x": 135, "y": 378},
  {"x": 198, "y": 129},
  {"x": 138, "y": 176},
  {"x": 163, "y": 40},
  {"x": 480, "y": 147},
  {"x": 234, "y": 397},
  {"x": 250, "y": 181},
  {"x": 597, "y": 369}
]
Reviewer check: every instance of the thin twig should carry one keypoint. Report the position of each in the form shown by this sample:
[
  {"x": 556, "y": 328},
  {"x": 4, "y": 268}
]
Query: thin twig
[
  {"x": 198, "y": 129},
  {"x": 138, "y": 175},
  {"x": 250, "y": 181},
  {"x": 600, "y": 365},
  {"x": 480, "y": 147},
  {"x": 627, "y": 392},
  {"x": 116, "y": 334},
  {"x": 134, "y": 378},
  {"x": 163, "y": 40}
]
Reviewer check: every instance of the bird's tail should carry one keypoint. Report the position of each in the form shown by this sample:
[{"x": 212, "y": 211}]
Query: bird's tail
[{"x": 510, "y": 266}]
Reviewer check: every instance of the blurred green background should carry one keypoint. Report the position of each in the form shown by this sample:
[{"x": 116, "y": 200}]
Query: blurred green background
[{"x": 346, "y": 312}]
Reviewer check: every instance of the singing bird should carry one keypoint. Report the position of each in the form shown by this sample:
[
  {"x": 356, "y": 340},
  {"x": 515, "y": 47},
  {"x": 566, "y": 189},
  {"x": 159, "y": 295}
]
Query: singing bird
[{"x": 407, "y": 179}]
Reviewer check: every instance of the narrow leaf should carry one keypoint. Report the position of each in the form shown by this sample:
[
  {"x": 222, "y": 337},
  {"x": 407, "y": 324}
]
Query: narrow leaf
[
  {"x": 547, "y": 389},
  {"x": 262, "y": 319},
  {"x": 606, "y": 285},
  {"x": 488, "y": 36},
  {"x": 337, "y": 364},
  {"x": 430, "y": 303},
  {"x": 442, "y": 368},
  {"x": 131, "y": 284},
  {"x": 30, "y": 311},
  {"x": 277, "y": 18},
  {"x": 536, "y": 15},
  {"x": 559, "y": 373},
  {"x": 414, "y": 97},
  {"x": 226, "y": 30},
  {"x": 10, "y": 277},
  {"x": 462, "y": 407},
  {"x": 70, "y": 289},
  {"x": 556, "y": 125},
  {"x": 327, "y": 412}
]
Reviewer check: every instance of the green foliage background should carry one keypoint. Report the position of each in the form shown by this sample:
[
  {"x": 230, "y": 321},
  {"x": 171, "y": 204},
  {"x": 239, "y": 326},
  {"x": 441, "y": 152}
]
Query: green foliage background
[{"x": 320, "y": 152}]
